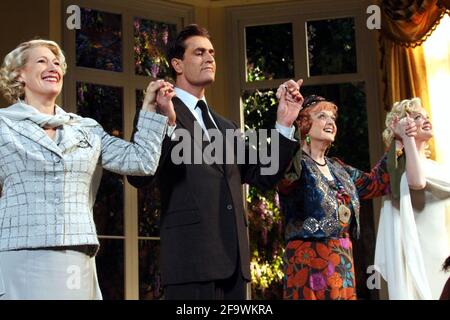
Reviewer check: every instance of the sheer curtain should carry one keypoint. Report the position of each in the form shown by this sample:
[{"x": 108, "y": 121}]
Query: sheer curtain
[{"x": 437, "y": 57}]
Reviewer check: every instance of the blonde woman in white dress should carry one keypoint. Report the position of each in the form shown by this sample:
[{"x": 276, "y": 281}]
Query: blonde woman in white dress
[{"x": 413, "y": 236}]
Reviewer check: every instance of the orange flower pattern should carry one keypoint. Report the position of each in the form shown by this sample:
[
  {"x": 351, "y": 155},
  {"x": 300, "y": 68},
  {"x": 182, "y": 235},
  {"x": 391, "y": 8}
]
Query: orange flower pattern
[
  {"x": 319, "y": 213},
  {"x": 330, "y": 275}
]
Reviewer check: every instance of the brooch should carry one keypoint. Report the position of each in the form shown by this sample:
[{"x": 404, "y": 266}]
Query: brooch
[
  {"x": 84, "y": 140},
  {"x": 344, "y": 213}
]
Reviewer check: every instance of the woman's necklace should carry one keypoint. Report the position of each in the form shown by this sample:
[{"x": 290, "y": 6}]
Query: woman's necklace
[{"x": 318, "y": 163}]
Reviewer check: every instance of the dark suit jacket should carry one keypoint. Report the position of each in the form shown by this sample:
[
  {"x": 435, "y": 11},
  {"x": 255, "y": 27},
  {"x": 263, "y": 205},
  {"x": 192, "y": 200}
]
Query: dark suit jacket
[{"x": 203, "y": 222}]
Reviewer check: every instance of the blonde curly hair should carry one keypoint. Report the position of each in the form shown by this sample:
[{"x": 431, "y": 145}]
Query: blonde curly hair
[
  {"x": 14, "y": 61},
  {"x": 399, "y": 109}
]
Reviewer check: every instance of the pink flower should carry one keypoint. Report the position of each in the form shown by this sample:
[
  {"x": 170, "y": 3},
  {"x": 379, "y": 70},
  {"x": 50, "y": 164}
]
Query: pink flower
[
  {"x": 261, "y": 208},
  {"x": 137, "y": 24},
  {"x": 317, "y": 282},
  {"x": 154, "y": 70},
  {"x": 345, "y": 243},
  {"x": 165, "y": 36},
  {"x": 330, "y": 269}
]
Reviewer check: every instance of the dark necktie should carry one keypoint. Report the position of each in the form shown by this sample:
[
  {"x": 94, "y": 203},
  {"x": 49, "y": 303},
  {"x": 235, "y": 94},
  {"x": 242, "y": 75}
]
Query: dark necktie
[
  {"x": 205, "y": 115},
  {"x": 207, "y": 121}
]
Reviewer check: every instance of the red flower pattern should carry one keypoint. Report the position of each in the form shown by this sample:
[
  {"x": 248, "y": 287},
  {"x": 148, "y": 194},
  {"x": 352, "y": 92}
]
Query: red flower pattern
[{"x": 316, "y": 270}]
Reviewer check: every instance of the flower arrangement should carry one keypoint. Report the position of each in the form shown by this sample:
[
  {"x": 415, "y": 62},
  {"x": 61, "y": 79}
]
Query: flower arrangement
[{"x": 266, "y": 234}]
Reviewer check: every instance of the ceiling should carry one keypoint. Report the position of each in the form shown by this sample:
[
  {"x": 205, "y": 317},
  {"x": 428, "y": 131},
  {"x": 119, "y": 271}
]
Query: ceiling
[{"x": 226, "y": 3}]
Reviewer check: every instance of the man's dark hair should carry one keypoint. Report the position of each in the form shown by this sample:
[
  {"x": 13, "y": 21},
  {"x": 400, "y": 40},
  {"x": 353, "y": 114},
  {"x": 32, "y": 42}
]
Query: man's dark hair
[{"x": 178, "y": 46}]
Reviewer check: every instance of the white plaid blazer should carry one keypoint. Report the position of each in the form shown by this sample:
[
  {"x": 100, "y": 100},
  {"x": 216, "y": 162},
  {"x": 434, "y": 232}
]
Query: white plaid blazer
[{"x": 46, "y": 186}]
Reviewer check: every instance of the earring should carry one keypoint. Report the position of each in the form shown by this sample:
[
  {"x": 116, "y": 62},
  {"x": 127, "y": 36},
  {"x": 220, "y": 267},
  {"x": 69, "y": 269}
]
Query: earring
[{"x": 308, "y": 139}]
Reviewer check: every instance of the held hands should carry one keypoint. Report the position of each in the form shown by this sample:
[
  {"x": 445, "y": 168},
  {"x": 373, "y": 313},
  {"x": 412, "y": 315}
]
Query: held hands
[
  {"x": 158, "y": 97},
  {"x": 404, "y": 128},
  {"x": 165, "y": 104},
  {"x": 290, "y": 102}
]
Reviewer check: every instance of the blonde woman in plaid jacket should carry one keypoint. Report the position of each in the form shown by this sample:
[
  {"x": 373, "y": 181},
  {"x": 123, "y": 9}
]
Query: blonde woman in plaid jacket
[{"x": 48, "y": 238}]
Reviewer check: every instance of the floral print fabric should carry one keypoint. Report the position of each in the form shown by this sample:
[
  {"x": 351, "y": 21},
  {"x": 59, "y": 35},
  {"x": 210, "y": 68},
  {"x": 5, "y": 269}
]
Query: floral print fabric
[
  {"x": 316, "y": 270},
  {"x": 311, "y": 204},
  {"x": 319, "y": 256}
]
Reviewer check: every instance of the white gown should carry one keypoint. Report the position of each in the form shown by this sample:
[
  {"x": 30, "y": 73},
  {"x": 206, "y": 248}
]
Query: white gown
[{"x": 413, "y": 237}]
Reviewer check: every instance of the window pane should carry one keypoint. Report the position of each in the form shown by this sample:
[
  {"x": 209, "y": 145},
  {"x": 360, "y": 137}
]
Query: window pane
[
  {"x": 331, "y": 46},
  {"x": 104, "y": 104},
  {"x": 149, "y": 210},
  {"x": 109, "y": 205},
  {"x": 149, "y": 276},
  {"x": 110, "y": 269},
  {"x": 260, "y": 108},
  {"x": 151, "y": 40},
  {"x": 149, "y": 205},
  {"x": 99, "y": 41},
  {"x": 269, "y": 52}
]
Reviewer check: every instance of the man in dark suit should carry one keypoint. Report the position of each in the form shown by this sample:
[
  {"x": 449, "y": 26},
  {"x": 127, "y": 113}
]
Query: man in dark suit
[{"x": 204, "y": 240}]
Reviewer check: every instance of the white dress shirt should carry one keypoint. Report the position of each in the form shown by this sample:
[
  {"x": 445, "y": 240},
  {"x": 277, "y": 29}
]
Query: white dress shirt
[{"x": 191, "y": 102}]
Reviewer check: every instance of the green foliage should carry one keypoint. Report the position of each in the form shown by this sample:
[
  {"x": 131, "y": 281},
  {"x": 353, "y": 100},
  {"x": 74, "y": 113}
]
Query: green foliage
[
  {"x": 259, "y": 109},
  {"x": 266, "y": 222},
  {"x": 331, "y": 46},
  {"x": 266, "y": 59},
  {"x": 266, "y": 234}
]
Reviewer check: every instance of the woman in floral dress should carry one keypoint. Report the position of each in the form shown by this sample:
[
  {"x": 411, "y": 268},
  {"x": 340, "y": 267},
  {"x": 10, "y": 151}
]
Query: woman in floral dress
[{"x": 319, "y": 197}]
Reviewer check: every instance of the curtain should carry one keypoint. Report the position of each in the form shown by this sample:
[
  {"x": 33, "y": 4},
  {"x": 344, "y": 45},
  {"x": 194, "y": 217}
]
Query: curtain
[
  {"x": 437, "y": 57},
  {"x": 405, "y": 25}
]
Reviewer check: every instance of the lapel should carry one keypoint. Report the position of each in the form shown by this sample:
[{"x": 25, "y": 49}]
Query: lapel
[
  {"x": 33, "y": 132},
  {"x": 186, "y": 119}
]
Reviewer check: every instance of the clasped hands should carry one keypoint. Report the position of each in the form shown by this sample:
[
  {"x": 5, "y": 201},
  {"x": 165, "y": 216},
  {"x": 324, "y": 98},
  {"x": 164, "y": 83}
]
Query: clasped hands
[
  {"x": 404, "y": 128},
  {"x": 159, "y": 94},
  {"x": 158, "y": 98},
  {"x": 290, "y": 102}
]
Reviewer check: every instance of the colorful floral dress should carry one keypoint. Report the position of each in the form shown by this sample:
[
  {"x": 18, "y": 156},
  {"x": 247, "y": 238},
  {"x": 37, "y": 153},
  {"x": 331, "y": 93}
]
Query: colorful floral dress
[{"x": 320, "y": 216}]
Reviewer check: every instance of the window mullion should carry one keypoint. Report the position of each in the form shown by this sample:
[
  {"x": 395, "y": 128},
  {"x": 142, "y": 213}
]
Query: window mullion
[
  {"x": 300, "y": 47},
  {"x": 130, "y": 205}
]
